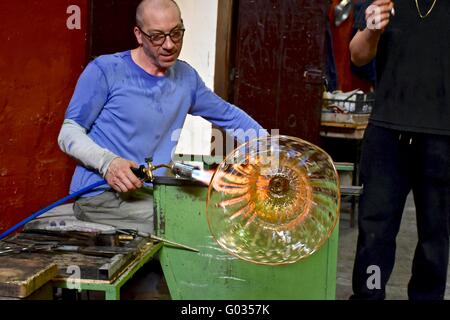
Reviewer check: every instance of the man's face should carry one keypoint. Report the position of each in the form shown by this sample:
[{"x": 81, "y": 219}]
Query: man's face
[{"x": 163, "y": 51}]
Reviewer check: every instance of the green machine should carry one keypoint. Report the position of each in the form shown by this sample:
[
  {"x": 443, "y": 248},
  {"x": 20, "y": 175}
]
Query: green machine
[
  {"x": 262, "y": 229},
  {"x": 213, "y": 273}
]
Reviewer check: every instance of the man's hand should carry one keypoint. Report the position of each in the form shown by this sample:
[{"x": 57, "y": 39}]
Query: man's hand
[
  {"x": 120, "y": 177},
  {"x": 378, "y": 14}
]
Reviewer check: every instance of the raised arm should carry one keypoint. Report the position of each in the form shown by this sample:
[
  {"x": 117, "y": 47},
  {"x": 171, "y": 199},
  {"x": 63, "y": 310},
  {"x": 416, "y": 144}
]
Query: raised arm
[{"x": 363, "y": 46}]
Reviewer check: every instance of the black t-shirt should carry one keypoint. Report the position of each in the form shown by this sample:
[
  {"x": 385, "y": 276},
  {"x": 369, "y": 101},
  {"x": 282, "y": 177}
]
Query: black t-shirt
[{"x": 413, "y": 69}]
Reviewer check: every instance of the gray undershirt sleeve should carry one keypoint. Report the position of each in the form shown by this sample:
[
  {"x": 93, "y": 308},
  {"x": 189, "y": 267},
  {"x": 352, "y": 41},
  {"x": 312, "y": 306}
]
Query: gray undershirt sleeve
[{"x": 74, "y": 141}]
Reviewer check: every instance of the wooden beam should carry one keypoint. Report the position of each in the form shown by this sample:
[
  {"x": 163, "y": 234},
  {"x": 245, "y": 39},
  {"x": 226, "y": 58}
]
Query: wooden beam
[{"x": 223, "y": 48}]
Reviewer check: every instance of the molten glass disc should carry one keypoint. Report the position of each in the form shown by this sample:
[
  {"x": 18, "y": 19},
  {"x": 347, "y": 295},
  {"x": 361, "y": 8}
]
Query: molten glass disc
[{"x": 274, "y": 200}]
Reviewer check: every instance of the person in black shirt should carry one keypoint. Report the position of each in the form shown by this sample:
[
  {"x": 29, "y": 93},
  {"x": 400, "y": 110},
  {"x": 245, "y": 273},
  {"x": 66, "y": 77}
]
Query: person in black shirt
[{"x": 406, "y": 144}]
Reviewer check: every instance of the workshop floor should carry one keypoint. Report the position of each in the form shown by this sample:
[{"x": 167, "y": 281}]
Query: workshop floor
[{"x": 406, "y": 242}]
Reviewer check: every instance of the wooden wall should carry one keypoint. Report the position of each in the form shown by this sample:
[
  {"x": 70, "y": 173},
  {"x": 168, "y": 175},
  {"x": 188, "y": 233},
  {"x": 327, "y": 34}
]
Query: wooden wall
[{"x": 40, "y": 61}]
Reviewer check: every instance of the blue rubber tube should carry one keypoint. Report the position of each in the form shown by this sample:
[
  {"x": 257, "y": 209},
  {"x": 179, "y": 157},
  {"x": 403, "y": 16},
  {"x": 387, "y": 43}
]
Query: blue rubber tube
[{"x": 57, "y": 203}]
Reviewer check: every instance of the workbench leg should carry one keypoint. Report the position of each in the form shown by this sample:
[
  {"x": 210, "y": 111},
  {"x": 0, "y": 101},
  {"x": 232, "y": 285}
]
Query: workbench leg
[{"x": 112, "y": 293}]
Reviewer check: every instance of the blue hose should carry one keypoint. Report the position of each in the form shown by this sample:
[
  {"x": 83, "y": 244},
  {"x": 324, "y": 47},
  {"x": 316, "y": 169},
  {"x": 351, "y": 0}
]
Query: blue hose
[{"x": 57, "y": 203}]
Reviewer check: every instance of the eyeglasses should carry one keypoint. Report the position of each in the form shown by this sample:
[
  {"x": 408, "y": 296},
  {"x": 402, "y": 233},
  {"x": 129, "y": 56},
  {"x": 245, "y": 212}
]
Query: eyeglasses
[{"x": 158, "y": 38}]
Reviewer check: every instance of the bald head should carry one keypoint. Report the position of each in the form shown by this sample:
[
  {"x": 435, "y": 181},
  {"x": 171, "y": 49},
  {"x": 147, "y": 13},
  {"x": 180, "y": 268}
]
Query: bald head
[{"x": 148, "y": 6}]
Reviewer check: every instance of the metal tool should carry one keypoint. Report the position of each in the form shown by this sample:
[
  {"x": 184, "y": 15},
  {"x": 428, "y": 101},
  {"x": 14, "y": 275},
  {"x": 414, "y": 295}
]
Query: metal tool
[
  {"x": 172, "y": 243},
  {"x": 99, "y": 251},
  {"x": 7, "y": 250},
  {"x": 183, "y": 170},
  {"x": 30, "y": 248},
  {"x": 179, "y": 169},
  {"x": 146, "y": 173},
  {"x": 342, "y": 12}
]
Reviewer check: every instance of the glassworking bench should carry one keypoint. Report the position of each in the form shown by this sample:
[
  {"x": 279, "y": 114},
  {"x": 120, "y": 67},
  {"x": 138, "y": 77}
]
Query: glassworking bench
[
  {"x": 57, "y": 249},
  {"x": 210, "y": 273},
  {"x": 112, "y": 287}
]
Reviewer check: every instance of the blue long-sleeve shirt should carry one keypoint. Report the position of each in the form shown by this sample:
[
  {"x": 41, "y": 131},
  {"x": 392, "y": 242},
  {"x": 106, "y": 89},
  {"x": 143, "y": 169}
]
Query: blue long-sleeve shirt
[{"x": 134, "y": 114}]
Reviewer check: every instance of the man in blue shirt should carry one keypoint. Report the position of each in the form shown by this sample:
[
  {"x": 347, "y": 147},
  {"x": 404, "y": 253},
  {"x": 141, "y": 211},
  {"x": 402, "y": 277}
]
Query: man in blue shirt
[{"x": 126, "y": 107}]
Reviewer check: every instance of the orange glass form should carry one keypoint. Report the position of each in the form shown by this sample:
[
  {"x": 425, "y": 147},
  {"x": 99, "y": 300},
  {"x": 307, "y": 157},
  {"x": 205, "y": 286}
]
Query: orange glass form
[{"x": 274, "y": 200}]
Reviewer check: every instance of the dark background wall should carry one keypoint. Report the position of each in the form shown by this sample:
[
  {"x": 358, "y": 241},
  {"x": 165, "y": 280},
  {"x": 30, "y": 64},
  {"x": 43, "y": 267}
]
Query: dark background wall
[
  {"x": 40, "y": 61},
  {"x": 279, "y": 64},
  {"x": 112, "y": 23}
]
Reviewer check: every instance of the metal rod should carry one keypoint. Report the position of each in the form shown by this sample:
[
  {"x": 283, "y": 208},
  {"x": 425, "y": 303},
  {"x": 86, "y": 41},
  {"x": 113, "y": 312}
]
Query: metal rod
[{"x": 179, "y": 245}]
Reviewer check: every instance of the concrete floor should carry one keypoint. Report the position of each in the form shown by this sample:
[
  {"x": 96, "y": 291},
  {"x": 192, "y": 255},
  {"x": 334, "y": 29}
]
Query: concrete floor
[{"x": 406, "y": 243}]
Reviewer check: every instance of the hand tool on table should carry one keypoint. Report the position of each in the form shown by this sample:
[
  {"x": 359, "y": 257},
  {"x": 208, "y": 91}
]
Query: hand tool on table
[
  {"x": 99, "y": 251},
  {"x": 15, "y": 249},
  {"x": 172, "y": 243}
]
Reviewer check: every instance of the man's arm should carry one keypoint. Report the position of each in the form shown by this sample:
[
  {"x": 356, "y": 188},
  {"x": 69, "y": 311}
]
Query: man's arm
[
  {"x": 363, "y": 46},
  {"x": 74, "y": 141},
  {"x": 223, "y": 114}
]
